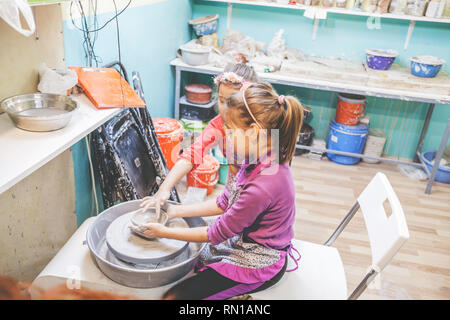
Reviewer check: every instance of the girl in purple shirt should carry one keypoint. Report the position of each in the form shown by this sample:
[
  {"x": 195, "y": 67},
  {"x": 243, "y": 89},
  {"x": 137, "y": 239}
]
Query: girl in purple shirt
[{"x": 250, "y": 241}]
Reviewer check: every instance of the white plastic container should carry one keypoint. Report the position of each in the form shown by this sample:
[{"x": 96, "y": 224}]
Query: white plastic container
[
  {"x": 398, "y": 6},
  {"x": 441, "y": 8},
  {"x": 432, "y": 9},
  {"x": 195, "y": 55},
  {"x": 416, "y": 7},
  {"x": 350, "y": 4},
  {"x": 446, "y": 12}
]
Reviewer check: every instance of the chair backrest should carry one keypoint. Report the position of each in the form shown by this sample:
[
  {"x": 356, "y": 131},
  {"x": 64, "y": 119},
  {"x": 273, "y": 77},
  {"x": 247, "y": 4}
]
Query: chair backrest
[{"x": 387, "y": 231}]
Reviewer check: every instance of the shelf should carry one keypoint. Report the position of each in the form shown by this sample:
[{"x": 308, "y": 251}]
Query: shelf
[
  {"x": 336, "y": 10},
  {"x": 184, "y": 101},
  {"x": 47, "y": 2},
  {"x": 329, "y": 85},
  {"x": 23, "y": 152}
]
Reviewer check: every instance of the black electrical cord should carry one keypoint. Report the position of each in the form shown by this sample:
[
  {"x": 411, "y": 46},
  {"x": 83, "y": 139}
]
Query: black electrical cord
[
  {"x": 94, "y": 4},
  {"x": 118, "y": 49},
  {"x": 88, "y": 39},
  {"x": 90, "y": 36},
  {"x": 121, "y": 66},
  {"x": 118, "y": 31},
  {"x": 106, "y": 23},
  {"x": 94, "y": 37}
]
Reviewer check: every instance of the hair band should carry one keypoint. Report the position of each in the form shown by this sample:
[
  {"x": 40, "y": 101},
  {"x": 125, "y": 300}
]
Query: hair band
[
  {"x": 244, "y": 87},
  {"x": 228, "y": 77}
]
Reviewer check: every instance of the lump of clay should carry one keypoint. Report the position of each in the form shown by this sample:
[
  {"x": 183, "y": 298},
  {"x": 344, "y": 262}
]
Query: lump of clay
[{"x": 141, "y": 217}]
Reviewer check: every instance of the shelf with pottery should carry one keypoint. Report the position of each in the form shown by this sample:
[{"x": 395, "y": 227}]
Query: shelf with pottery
[
  {"x": 34, "y": 3},
  {"x": 23, "y": 152},
  {"x": 320, "y": 13},
  {"x": 336, "y": 10},
  {"x": 396, "y": 83}
]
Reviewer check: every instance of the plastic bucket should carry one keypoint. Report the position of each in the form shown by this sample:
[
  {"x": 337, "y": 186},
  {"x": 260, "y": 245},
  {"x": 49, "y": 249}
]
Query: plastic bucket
[
  {"x": 223, "y": 169},
  {"x": 442, "y": 173},
  {"x": 374, "y": 144},
  {"x": 347, "y": 139},
  {"x": 350, "y": 108},
  {"x": 170, "y": 133},
  {"x": 205, "y": 175}
]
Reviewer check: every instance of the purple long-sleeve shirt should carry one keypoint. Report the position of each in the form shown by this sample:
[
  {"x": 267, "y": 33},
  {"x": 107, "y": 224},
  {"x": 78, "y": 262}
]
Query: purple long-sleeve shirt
[{"x": 264, "y": 211}]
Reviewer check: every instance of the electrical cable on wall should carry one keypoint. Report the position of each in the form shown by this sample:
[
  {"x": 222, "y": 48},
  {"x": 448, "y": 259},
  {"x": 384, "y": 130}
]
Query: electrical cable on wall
[
  {"x": 106, "y": 23},
  {"x": 90, "y": 36},
  {"x": 118, "y": 48},
  {"x": 88, "y": 39}
]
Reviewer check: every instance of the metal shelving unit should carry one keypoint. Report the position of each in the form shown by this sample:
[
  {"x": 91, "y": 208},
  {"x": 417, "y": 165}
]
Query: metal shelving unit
[
  {"x": 279, "y": 78},
  {"x": 316, "y": 14}
]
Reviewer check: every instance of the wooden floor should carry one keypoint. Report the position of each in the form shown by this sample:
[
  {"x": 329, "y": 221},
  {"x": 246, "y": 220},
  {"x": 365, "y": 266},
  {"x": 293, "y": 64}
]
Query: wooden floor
[{"x": 325, "y": 191}]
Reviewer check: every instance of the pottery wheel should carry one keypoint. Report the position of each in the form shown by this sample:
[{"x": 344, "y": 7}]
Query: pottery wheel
[{"x": 130, "y": 247}]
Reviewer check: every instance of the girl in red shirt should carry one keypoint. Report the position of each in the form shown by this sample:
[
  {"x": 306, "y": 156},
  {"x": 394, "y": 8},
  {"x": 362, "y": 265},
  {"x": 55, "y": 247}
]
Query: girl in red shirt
[{"x": 228, "y": 82}]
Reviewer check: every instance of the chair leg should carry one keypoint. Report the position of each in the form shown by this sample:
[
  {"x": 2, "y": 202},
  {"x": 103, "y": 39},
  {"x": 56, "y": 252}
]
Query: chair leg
[
  {"x": 363, "y": 285},
  {"x": 438, "y": 157},
  {"x": 343, "y": 224}
]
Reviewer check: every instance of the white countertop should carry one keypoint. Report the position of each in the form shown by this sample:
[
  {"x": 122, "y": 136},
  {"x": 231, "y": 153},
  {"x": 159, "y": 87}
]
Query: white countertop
[{"x": 22, "y": 152}]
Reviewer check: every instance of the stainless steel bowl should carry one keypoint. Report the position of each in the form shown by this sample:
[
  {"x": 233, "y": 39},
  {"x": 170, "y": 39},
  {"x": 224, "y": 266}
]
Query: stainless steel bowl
[
  {"x": 138, "y": 276},
  {"x": 39, "y": 111}
]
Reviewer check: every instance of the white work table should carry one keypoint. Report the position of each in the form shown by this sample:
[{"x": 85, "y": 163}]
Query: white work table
[
  {"x": 370, "y": 83},
  {"x": 23, "y": 152}
]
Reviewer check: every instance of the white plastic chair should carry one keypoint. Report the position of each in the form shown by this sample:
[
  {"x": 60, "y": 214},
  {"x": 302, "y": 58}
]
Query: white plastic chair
[{"x": 321, "y": 273}]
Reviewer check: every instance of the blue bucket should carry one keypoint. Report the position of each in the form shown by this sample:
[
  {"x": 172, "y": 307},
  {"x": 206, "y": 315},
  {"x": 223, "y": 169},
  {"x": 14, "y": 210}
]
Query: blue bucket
[
  {"x": 442, "y": 174},
  {"x": 347, "y": 139}
]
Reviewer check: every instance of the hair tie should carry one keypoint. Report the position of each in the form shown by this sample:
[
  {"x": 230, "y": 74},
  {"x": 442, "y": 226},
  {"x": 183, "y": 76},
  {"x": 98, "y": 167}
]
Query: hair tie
[{"x": 282, "y": 102}]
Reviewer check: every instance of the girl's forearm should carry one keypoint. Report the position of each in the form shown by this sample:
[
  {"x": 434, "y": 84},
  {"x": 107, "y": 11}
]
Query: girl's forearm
[
  {"x": 198, "y": 234},
  {"x": 202, "y": 209},
  {"x": 179, "y": 170}
]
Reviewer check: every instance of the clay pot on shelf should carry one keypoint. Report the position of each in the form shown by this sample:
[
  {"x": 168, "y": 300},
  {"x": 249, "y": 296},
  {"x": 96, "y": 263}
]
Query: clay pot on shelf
[{"x": 198, "y": 93}]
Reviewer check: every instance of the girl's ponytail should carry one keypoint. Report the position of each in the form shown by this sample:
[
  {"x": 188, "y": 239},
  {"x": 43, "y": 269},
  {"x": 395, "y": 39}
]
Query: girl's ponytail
[{"x": 291, "y": 122}]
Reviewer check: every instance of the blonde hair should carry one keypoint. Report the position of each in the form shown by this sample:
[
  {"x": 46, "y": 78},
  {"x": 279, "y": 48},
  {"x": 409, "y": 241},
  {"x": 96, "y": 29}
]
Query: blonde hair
[{"x": 259, "y": 103}]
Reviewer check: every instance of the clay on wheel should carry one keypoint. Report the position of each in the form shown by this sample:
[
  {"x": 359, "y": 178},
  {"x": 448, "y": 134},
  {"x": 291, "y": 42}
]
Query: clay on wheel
[{"x": 132, "y": 248}]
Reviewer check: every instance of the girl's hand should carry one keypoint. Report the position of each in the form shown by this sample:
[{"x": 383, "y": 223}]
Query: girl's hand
[
  {"x": 157, "y": 200},
  {"x": 154, "y": 230},
  {"x": 172, "y": 211}
]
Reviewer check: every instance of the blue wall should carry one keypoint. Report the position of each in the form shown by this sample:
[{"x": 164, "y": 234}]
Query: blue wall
[
  {"x": 149, "y": 36},
  {"x": 347, "y": 36}
]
